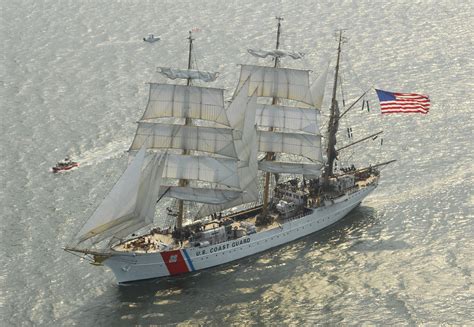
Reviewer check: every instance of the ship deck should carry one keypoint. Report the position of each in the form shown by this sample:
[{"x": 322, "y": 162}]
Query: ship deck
[{"x": 162, "y": 240}]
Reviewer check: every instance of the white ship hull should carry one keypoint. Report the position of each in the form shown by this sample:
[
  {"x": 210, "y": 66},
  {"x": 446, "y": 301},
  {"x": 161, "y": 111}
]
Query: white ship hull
[{"x": 129, "y": 267}]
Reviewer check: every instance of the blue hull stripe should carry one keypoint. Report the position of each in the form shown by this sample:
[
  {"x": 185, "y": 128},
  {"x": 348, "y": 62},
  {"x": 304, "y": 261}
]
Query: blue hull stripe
[{"x": 189, "y": 260}]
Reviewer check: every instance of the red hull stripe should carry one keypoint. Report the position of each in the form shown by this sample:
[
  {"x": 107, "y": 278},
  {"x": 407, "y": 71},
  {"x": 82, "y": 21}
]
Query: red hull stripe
[{"x": 175, "y": 263}]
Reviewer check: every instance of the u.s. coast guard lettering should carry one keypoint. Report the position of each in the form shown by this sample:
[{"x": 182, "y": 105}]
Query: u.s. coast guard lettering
[{"x": 222, "y": 247}]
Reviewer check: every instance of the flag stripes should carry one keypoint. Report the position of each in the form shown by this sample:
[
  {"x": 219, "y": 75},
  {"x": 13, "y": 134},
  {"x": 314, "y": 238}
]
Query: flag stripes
[{"x": 394, "y": 102}]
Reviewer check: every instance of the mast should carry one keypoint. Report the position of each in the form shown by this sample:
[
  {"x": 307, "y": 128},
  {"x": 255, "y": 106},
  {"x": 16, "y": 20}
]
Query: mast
[
  {"x": 188, "y": 122},
  {"x": 270, "y": 155},
  {"x": 333, "y": 122},
  {"x": 190, "y": 38},
  {"x": 277, "y": 59}
]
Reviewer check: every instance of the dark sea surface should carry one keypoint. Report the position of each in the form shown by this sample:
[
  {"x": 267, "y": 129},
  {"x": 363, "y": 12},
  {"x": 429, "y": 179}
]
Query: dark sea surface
[{"x": 73, "y": 77}]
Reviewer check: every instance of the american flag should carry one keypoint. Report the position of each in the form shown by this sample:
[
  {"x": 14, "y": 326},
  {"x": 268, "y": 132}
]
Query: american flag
[{"x": 393, "y": 102}]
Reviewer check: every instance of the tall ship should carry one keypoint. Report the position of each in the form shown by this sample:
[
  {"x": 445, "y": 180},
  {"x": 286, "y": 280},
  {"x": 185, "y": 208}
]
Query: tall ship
[{"x": 231, "y": 179}]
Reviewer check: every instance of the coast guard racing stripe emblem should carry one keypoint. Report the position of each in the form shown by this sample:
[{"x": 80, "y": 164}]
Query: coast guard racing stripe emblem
[{"x": 175, "y": 262}]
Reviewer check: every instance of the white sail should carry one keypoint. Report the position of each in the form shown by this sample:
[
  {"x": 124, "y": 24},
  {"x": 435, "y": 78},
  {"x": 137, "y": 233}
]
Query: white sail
[
  {"x": 182, "y": 101},
  {"x": 146, "y": 201},
  {"x": 205, "y": 139},
  {"x": 275, "y": 53},
  {"x": 215, "y": 170},
  {"x": 201, "y": 195},
  {"x": 301, "y": 119},
  {"x": 241, "y": 112},
  {"x": 284, "y": 83},
  {"x": 306, "y": 145},
  {"x": 316, "y": 95},
  {"x": 174, "y": 73},
  {"x": 150, "y": 188},
  {"x": 128, "y": 202},
  {"x": 279, "y": 167}
]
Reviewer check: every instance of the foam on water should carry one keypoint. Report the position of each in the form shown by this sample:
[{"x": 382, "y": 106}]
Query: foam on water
[{"x": 95, "y": 156}]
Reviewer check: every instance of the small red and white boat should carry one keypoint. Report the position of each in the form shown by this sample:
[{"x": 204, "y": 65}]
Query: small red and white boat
[{"x": 64, "y": 165}]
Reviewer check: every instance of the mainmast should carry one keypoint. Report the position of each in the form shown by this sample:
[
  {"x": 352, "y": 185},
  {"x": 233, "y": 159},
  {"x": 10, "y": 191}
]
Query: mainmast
[
  {"x": 333, "y": 122},
  {"x": 270, "y": 155},
  {"x": 188, "y": 122}
]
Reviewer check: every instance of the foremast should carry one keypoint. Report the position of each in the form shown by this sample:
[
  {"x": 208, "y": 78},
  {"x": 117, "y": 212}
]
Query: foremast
[
  {"x": 190, "y": 122},
  {"x": 333, "y": 124}
]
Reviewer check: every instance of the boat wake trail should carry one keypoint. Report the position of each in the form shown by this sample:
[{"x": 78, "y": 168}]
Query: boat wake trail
[{"x": 100, "y": 154}]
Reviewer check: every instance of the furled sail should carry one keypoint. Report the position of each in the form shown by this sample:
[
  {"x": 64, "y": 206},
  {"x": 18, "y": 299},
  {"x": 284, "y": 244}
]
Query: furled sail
[
  {"x": 284, "y": 117},
  {"x": 175, "y": 73},
  {"x": 208, "y": 169},
  {"x": 279, "y": 167},
  {"x": 276, "y": 53},
  {"x": 183, "y": 101},
  {"x": 306, "y": 145},
  {"x": 131, "y": 202},
  {"x": 283, "y": 83},
  {"x": 197, "y": 138},
  {"x": 198, "y": 194}
]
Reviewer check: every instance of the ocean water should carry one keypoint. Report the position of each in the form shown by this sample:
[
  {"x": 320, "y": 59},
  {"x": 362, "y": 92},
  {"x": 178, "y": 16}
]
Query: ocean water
[{"x": 73, "y": 77}]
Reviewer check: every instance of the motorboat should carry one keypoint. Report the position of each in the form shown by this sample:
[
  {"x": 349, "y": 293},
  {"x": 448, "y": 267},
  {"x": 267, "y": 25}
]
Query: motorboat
[
  {"x": 64, "y": 165},
  {"x": 151, "y": 38}
]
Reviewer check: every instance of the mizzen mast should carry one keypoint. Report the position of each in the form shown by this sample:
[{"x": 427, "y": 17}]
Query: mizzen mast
[
  {"x": 271, "y": 155},
  {"x": 333, "y": 122}
]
